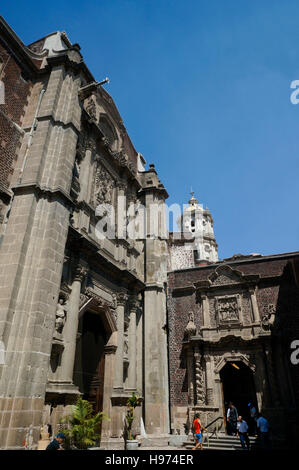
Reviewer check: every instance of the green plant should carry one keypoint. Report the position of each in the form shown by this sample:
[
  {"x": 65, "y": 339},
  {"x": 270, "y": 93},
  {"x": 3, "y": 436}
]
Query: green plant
[
  {"x": 83, "y": 426},
  {"x": 132, "y": 402}
]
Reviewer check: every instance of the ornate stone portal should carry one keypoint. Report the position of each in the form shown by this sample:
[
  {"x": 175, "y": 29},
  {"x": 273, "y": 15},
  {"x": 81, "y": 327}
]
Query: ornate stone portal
[{"x": 230, "y": 342}]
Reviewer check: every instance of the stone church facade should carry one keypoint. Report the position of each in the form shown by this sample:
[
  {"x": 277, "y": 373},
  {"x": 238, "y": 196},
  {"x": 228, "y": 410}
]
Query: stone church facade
[
  {"x": 87, "y": 314},
  {"x": 76, "y": 307},
  {"x": 231, "y": 326}
]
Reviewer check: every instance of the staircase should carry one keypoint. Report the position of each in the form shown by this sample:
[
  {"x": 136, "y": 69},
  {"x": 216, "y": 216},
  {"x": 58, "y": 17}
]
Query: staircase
[{"x": 223, "y": 442}]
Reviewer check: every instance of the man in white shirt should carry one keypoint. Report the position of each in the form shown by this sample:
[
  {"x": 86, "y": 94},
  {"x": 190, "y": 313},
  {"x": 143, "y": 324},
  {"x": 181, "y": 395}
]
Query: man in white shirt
[{"x": 242, "y": 429}]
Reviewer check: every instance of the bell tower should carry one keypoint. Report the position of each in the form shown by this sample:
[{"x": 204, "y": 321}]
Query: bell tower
[{"x": 199, "y": 222}]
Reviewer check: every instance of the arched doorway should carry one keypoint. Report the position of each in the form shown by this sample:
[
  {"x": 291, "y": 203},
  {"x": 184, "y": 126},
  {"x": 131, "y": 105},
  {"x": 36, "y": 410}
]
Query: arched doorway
[
  {"x": 238, "y": 387},
  {"x": 89, "y": 366}
]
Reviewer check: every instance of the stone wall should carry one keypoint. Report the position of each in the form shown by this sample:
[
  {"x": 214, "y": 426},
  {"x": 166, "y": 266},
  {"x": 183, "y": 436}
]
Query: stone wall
[{"x": 17, "y": 86}]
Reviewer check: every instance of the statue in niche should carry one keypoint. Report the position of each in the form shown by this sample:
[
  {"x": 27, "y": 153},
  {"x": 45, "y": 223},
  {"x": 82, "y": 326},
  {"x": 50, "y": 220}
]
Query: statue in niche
[
  {"x": 91, "y": 109},
  {"x": 76, "y": 170},
  {"x": 190, "y": 329},
  {"x": 60, "y": 316},
  {"x": 126, "y": 339},
  {"x": 126, "y": 346}
]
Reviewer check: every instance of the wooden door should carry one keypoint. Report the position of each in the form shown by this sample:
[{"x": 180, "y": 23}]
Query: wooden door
[{"x": 97, "y": 386}]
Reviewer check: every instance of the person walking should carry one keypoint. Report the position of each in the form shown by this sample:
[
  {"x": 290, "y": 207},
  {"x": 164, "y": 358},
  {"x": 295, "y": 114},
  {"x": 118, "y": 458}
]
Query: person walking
[
  {"x": 242, "y": 431},
  {"x": 263, "y": 427},
  {"x": 232, "y": 419},
  {"x": 56, "y": 443},
  {"x": 198, "y": 432}
]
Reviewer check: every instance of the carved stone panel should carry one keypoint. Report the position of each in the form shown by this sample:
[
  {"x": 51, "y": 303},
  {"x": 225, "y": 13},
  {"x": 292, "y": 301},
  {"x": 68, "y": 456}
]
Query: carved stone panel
[
  {"x": 103, "y": 186},
  {"x": 228, "y": 309},
  {"x": 247, "y": 314}
]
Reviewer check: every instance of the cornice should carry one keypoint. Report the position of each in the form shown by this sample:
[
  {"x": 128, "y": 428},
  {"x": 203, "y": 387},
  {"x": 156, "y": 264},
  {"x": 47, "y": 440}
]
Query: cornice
[{"x": 43, "y": 191}]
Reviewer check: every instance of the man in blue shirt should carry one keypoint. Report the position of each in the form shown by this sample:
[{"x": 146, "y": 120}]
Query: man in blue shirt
[
  {"x": 263, "y": 426},
  {"x": 242, "y": 429}
]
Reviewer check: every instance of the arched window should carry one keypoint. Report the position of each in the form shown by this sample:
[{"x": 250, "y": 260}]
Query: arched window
[{"x": 108, "y": 130}]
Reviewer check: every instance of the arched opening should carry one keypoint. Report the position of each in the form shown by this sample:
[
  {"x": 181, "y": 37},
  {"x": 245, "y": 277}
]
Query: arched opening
[
  {"x": 89, "y": 366},
  {"x": 238, "y": 387}
]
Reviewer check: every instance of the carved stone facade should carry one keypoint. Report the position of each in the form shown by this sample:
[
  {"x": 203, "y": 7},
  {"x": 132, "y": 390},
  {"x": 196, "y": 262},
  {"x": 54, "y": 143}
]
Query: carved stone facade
[
  {"x": 84, "y": 313},
  {"x": 239, "y": 349},
  {"x": 75, "y": 306},
  {"x": 103, "y": 186}
]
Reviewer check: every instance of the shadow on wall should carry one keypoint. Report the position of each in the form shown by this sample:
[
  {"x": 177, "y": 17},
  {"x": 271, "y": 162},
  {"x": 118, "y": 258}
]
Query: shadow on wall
[{"x": 285, "y": 330}]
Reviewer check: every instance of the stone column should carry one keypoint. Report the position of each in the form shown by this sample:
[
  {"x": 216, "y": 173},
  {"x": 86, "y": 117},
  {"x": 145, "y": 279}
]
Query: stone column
[
  {"x": 155, "y": 363},
  {"x": 254, "y": 305},
  {"x": 199, "y": 378},
  {"x": 70, "y": 329},
  {"x": 121, "y": 210},
  {"x": 119, "y": 363},
  {"x": 210, "y": 379},
  {"x": 156, "y": 381},
  {"x": 139, "y": 353},
  {"x": 205, "y": 310},
  {"x": 132, "y": 345},
  {"x": 190, "y": 372},
  {"x": 109, "y": 351}
]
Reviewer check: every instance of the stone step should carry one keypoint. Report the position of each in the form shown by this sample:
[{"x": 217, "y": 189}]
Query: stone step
[{"x": 222, "y": 443}]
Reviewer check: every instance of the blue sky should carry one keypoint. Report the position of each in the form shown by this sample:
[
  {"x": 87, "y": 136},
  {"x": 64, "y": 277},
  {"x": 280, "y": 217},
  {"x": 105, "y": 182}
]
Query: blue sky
[{"x": 203, "y": 87}]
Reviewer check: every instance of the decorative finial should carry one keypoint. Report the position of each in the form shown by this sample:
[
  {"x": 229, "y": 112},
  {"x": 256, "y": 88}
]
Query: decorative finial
[{"x": 192, "y": 201}]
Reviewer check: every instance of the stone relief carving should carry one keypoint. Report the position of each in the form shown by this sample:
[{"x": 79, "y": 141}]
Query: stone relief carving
[
  {"x": 224, "y": 279},
  {"x": 227, "y": 309},
  {"x": 90, "y": 294},
  {"x": 212, "y": 311},
  {"x": 103, "y": 186},
  {"x": 224, "y": 275},
  {"x": 268, "y": 317},
  {"x": 217, "y": 359},
  {"x": 247, "y": 313},
  {"x": 83, "y": 299},
  {"x": 248, "y": 358}
]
